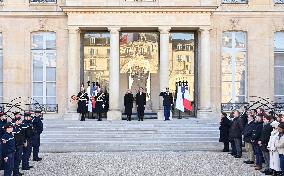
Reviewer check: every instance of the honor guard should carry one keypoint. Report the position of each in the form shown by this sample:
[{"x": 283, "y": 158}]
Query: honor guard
[
  {"x": 100, "y": 105},
  {"x": 8, "y": 149},
  {"x": 29, "y": 132},
  {"x": 19, "y": 135},
  {"x": 38, "y": 128},
  {"x": 83, "y": 100}
]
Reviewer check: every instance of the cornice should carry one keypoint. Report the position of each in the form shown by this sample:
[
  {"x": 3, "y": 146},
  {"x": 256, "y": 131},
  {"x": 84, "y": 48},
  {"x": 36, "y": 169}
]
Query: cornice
[{"x": 135, "y": 9}]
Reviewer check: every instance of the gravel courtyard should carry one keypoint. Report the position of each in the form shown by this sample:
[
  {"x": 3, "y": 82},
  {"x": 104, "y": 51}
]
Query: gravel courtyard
[{"x": 140, "y": 163}]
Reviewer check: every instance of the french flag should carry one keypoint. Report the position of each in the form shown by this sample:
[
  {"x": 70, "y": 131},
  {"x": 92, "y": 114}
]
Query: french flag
[{"x": 186, "y": 99}]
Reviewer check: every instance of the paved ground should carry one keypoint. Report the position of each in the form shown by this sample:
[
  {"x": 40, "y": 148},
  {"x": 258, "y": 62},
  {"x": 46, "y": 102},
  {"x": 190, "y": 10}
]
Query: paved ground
[{"x": 141, "y": 164}]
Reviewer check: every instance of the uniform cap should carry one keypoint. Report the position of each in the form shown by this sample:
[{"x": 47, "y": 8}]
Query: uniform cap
[
  {"x": 281, "y": 125},
  {"x": 27, "y": 114},
  {"x": 8, "y": 125},
  {"x": 38, "y": 111}
]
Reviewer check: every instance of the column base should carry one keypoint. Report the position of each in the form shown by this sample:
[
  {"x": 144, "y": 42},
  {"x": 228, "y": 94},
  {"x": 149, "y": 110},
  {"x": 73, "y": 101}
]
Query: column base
[
  {"x": 206, "y": 115},
  {"x": 114, "y": 115},
  {"x": 71, "y": 116},
  {"x": 161, "y": 116}
]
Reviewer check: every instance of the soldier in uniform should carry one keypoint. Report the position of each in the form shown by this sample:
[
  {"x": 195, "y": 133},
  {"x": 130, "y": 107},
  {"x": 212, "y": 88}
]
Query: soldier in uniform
[
  {"x": 141, "y": 103},
  {"x": 83, "y": 100},
  {"x": 100, "y": 104},
  {"x": 3, "y": 121},
  {"x": 128, "y": 104},
  {"x": 38, "y": 128},
  {"x": 29, "y": 132},
  {"x": 19, "y": 135},
  {"x": 167, "y": 103},
  {"x": 8, "y": 149}
]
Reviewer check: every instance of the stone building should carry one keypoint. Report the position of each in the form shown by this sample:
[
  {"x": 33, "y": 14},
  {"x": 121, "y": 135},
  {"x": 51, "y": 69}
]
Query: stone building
[{"x": 227, "y": 50}]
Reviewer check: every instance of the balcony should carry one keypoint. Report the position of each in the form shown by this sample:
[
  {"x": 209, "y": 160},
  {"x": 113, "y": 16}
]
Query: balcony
[
  {"x": 43, "y": 1},
  {"x": 279, "y": 1}
]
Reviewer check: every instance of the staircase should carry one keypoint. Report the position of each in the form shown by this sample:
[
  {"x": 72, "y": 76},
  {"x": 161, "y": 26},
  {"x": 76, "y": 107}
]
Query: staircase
[{"x": 112, "y": 136}]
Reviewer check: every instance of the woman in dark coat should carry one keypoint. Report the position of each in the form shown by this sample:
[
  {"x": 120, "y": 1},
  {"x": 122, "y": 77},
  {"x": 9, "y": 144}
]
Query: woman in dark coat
[
  {"x": 224, "y": 131},
  {"x": 128, "y": 104},
  {"x": 82, "y": 103}
]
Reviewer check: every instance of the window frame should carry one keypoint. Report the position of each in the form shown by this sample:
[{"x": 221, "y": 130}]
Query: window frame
[
  {"x": 44, "y": 80},
  {"x": 2, "y": 70},
  {"x": 277, "y": 51},
  {"x": 233, "y": 51}
]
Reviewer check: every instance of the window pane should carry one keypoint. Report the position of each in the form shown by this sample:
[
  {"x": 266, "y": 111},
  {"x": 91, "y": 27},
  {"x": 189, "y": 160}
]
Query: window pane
[
  {"x": 1, "y": 41},
  {"x": 38, "y": 100},
  {"x": 37, "y": 41},
  {"x": 1, "y": 99},
  {"x": 279, "y": 59},
  {"x": 279, "y": 41},
  {"x": 1, "y": 89},
  {"x": 240, "y": 99},
  {"x": 227, "y": 39},
  {"x": 279, "y": 99},
  {"x": 51, "y": 100},
  {"x": 51, "y": 59},
  {"x": 50, "y": 41},
  {"x": 37, "y": 66},
  {"x": 279, "y": 81},
  {"x": 51, "y": 89},
  {"x": 226, "y": 63},
  {"x": 38, "y": 89},
  {"x": 1, "y": 66},
  {"x": 50, "y": 74},
  {"x": 240, "y": 40}
]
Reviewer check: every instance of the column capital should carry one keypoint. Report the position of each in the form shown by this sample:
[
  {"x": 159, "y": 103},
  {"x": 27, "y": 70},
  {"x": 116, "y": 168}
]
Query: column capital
[
  {"x": 113, "y": 30},
  {"x": 205, "y": 28},
  {"x": 73, "y": 29},
  {"x": 164, "y": 29}
]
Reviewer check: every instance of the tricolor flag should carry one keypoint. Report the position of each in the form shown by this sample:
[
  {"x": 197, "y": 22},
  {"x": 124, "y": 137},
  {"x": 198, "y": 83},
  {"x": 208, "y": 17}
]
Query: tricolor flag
[
  {"x": 179, "y": 100},
  {"x": 186, "y": 102},
  {"x": 183, "y": 99}
]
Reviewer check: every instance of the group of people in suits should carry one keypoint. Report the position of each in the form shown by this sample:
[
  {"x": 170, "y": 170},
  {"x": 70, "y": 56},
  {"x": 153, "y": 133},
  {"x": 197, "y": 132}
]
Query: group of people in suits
[{"x": 140, "y": 100}]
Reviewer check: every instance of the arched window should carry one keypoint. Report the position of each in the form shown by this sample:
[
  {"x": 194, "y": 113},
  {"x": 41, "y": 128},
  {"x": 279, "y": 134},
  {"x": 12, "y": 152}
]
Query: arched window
[{"x": 43, "y": 52}]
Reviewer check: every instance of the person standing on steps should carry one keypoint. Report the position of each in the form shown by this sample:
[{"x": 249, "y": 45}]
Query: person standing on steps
[
  {"x": 38, "y": 128},
  {"x": 141, "y": 103},
  {"x": 83, "y": 100},
  {"x": 167, "y": 103},
  {"x": 128, "y": 104}
]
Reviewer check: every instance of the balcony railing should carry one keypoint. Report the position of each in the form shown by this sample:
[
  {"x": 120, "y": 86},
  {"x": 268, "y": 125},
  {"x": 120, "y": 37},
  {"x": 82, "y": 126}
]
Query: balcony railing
[
  {"x": 45, "y": 108},
  {"x": 229, "y": 107},
  {"x": 43, "y": 1},
  {"x": 279, "y": 1},
  {"x": 235, "y": 1}
]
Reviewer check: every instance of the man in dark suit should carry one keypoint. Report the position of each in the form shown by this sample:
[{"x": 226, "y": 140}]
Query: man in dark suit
[
  {"x": 167, "y": 103},
  {"x": 140, "y": 102}
]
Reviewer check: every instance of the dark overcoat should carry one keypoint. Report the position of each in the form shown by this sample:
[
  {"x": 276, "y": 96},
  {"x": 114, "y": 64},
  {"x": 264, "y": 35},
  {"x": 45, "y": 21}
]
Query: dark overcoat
[
  {"x": 224, "y": 129},
  {"x": 140, "y": 101},
  {"x": 128, "y": 103}
]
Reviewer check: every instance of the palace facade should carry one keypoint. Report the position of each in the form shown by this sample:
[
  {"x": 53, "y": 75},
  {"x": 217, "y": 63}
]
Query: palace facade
[{"x": 228, "y": 51}]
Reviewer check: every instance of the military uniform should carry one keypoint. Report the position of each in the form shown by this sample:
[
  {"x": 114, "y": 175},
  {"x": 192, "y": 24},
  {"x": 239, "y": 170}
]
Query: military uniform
[
  {"x": 38, "y": 128},
  {"x": 19, "y": 135},
  {"x": 29, "y": 132},
  {"x": 83, "y": 104},
  {"x": 167, "y": 103},
  {"x": 100, "y": 105},
  {"x": 8, "y": 150}
]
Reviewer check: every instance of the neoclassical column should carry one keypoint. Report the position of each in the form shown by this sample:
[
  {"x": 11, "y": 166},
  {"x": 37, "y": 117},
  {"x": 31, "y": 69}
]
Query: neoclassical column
[
  {"x": 73, "y": 69},
  {"x": 114, "y": 112},
  {"x": 204, "y": 80},
  {"x": 164, "y": 64}
]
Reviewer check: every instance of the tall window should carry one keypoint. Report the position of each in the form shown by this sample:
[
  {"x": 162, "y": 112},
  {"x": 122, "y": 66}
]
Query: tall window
[
  {"x": 234, "y": 74},
  {"x": 235, "y": 1},
  {"x": 279, "y": 67},
  {"x": 44, "y": 67},
  {"x": 1, "y": 68}
]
